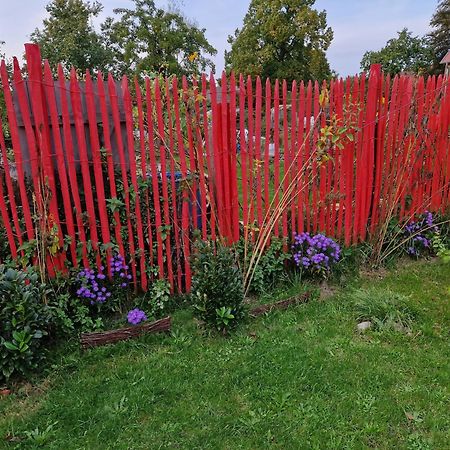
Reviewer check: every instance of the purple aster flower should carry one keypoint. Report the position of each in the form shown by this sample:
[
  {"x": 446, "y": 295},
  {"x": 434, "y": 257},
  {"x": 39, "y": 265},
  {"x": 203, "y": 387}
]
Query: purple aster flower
[{"x": 136, "y": 316}]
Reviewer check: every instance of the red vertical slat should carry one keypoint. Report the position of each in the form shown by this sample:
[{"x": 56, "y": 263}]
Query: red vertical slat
[
  {"x": 173, "y": 185},
  {"x": 199, "y": 155},
  {"x": 233, "y": 161},
  {"x": 286, "y": 159},
  {"x": 4, "y": 208},
  {"x": 319, "y": 119},
  {"x": 294, "y": 153},
  {"x": 187, "y": 99},
  {"x": 10, "y": 193},
  {"x": 330, "y": 166},
  {"x": 268, "y": 104},
  {"x": 250, "y": 146},
  {"x": 300, "y": 157},
  {"x": 359, "y": 161},
  {"x": 143, "y": 142},
  {"x": 307, "y": 158},
  {"x": 97, "y": 162},
  {"x": 338, "y": 171},
  {"x": 391, "y": 127},
  {"x": 217, "y": 173},
  {"x": 224, "y": 155},
  {"x": 5, "y": 220},
  {"x": 348, "y": 164},
  {"x": 75, "y": 94},
  {"x": 109, "y": 160},
  {"x": 17, "y": 149},
  {"x": 276, "y": 138},
  {"x": 369, "y": 144},
  {"x": 209, "y": 158},
  {"x": 114, "y": 102},
  {"x": 379, "y": 152},
  {"x": 154, "y": 175},
  {"x": 244, "y": 154},
  {"x": 165, "y": 193},
  {"x": 71, "y": 165},
  {"x": 185, "y": 192},
  {"x": 258, "y": 157},
  {"x": 42, "y": 136},
  {"x": 322, "y": 168},
  {"x": 143, "y": 157},
  {"x": 133, "y": 172},
  {"x": 61, "y": 164}
]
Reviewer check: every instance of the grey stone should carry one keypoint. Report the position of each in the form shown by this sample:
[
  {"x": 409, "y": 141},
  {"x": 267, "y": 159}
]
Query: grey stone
[{"x": 363, "y": 326}]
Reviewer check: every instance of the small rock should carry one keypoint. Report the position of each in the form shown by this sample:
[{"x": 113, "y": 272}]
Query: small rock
[{"x": 363, "y": 326}]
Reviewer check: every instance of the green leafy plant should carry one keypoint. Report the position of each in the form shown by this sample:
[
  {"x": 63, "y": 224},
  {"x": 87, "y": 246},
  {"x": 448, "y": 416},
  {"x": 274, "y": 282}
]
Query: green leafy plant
[
  {"x": 217, "y": 288},
  {"x": 160, "y": 297},
  {"x": 224, "y": 316},
  {"x": 24, "y": 319},
  {"x": 41, "y": 437}
]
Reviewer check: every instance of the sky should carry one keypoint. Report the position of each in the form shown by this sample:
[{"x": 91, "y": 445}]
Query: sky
[{"x": 358, "y": 25}]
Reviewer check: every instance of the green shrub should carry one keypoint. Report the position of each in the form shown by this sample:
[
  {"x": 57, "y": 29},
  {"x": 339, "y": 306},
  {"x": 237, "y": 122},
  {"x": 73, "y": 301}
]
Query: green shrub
[
  {"x": 385, "y": 309},
  {"x": 271, "y": 266},
  {"x": 217, "y": 287},
  {"x": 24, "y": 319}
]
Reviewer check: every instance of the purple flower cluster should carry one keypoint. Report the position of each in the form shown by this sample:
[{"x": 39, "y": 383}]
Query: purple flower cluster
[
  {"x": 92, "y": 286},
  {"x": 119, "y": 270},
  {"x": 315, "y": 253},
  {"x": 418, "y": 234},
  {"x": 136, "y": 316},
  {"x": 95, "y": 286}
]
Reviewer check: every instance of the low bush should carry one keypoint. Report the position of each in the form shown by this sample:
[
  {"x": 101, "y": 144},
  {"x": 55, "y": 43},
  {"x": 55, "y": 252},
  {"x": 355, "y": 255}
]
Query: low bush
[
  {"x": 25, "y": 320},
  {"x": 217, "y": 286}
]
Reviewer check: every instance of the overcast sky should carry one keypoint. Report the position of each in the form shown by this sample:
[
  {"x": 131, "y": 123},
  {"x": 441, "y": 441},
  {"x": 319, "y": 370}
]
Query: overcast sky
[{"x": 358, "y": 25}]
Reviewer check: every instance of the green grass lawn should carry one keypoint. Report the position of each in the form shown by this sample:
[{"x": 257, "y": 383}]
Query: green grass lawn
[{"x": 297, "y": 379}]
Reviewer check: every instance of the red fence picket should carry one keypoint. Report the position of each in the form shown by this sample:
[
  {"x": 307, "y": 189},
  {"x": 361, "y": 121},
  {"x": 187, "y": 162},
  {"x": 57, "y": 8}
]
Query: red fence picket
[{"x": 139, "y": 169}]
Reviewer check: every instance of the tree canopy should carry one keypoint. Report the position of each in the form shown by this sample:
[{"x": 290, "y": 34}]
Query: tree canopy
[
  {"x": 68, "y": 37},
  {"x": 405, "y": 53},
  {"x": 150, "y": 39},
  {"x": 284, "y": 39},
  {"x": 140, "y": 39},
  {"x": 439, "y": 37}
]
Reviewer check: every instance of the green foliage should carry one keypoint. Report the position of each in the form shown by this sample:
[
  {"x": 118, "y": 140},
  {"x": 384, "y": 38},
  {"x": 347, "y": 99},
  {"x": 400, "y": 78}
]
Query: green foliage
[
  {"x": 439, "y": 37},
  {"x": 67, "y": 36},
  {"x": 24, "y": 319},
  {"x": 405, "y": 53},
  {"x": 271, "y": 266},
  {"x": 217, "y": 289},
  {"x": 70, "y": 316},
  {"x": 284, "y": 39},
  {"x": 159, "y": 298},
  {"x": 151, "y": 40},
  {"x": 385, "y": 309},
  {"x": 440, "y": 242}
]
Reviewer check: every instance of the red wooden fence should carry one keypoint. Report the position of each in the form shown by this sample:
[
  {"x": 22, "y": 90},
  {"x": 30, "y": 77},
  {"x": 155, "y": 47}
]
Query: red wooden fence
[{"x": 95, "y": 166}]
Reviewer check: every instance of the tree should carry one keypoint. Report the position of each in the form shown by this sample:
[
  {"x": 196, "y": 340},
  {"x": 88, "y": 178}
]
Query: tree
[
  {"x": 68, "y": 36},
  {"x": 150, "y": 39},
  {"x": 405, "y": 53},
  {"x": 281, "y": 39},
  {"x": 439, "y": 38}
]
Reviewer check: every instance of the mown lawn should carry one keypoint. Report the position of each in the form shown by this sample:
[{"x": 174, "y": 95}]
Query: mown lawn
[{"x": 298, "y": 379}]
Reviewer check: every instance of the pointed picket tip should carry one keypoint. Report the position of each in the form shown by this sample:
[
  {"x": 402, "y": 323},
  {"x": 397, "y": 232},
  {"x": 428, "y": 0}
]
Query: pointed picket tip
[{"x": 16, "y": 66}]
